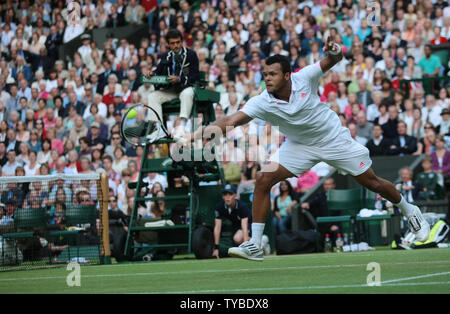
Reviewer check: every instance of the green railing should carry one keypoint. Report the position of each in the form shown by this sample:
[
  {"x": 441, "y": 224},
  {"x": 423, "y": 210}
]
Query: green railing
[{"x": 427, "y": 83}]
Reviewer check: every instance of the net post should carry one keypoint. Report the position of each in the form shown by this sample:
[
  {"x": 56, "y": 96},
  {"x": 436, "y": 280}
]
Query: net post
[{"x": 103, "y": 196}]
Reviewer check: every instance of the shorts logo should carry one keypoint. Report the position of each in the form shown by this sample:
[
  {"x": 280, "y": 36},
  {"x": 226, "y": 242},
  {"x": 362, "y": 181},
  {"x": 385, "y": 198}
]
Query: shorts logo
[
  {"x": 303, "y": 95},
  {"x": 361, "y": 164}
]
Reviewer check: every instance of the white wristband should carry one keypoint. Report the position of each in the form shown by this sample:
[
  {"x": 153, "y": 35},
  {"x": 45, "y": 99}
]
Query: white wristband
[{"x": 334, "y": 53}]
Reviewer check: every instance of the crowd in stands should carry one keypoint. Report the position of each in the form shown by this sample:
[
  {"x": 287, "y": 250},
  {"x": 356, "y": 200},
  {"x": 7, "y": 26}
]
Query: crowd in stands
[{"x": 61, "y": 114}]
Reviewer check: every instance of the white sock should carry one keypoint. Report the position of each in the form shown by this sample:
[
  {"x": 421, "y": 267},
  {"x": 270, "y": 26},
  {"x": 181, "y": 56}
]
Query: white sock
[
  {"x": 257, "y": 232},
  {"x": 406, "y": 208},
  {"x": 182, "y": 122}
]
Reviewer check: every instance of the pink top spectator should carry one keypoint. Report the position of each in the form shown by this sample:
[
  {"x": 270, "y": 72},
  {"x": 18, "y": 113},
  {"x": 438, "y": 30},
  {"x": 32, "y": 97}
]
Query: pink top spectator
[{"x": 306, "y": 181}]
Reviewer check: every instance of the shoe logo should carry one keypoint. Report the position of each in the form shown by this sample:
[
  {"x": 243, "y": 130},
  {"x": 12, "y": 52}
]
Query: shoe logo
[
  {"x": 361, "y": 164},
  {"x": 414, "y": 223},
  {"x": 303, "y": 95}
]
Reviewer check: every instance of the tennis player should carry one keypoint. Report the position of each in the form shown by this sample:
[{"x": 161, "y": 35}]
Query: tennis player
[{"x": 314, "y": 133}]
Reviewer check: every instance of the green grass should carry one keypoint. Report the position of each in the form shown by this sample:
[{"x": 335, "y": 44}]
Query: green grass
[{"x": 417, "y": 271}]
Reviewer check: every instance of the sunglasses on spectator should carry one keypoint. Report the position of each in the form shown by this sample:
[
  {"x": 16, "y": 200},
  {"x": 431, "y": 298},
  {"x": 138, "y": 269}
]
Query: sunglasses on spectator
[{"x": 112, "y": 201}]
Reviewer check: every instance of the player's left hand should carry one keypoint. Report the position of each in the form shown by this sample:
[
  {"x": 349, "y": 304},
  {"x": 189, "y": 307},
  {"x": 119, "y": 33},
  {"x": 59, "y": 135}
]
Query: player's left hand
[
  {"x": 330, "y": 45},
  {"x": 173, "y": 79}
]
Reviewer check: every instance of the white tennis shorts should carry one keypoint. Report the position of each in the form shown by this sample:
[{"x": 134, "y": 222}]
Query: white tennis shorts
[{"x": 343, "y": 153}]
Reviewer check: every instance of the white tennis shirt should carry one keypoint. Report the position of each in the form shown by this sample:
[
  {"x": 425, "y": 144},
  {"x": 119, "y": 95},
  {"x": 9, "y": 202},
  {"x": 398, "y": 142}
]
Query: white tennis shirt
[{"x": 304, "y": 119}]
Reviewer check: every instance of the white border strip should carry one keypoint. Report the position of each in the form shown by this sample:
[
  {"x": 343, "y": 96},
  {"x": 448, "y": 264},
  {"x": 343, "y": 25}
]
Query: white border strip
[{"x": 75, "y": 177}]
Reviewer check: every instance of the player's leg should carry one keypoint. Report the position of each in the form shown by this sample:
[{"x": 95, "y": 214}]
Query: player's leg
[
  {"x": 418, "y": 225},
  {"x": 265, "y": 180},
  {"x": 350, "y": 157}
]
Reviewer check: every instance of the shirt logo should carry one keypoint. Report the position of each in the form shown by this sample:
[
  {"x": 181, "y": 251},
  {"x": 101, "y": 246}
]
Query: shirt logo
[{"x": 361, "y": 164}]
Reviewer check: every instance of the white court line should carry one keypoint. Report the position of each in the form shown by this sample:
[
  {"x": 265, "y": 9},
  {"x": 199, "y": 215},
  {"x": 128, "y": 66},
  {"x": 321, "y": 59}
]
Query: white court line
[
  {"x": 190, "y": 272},
  {"x": 415, "y": 277},
  {"x": 268, "y": 258},
  {"x": 268, "y": 290}
]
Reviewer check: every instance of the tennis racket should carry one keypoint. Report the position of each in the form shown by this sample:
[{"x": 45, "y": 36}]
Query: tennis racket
[{"x": 142, "y": 125}]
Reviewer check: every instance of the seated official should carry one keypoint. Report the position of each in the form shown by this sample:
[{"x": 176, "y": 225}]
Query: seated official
[
  {"x": 233, "y": 213},
  {"x": 180, "y": 64}
]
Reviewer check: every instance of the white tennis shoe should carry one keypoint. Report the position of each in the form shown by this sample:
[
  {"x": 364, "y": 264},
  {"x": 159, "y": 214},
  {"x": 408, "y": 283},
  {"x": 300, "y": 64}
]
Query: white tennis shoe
[
  {"x": 247, "y": 250},
  {"x": 418, "y": 225},
  {"x": 265, "y": 244}
]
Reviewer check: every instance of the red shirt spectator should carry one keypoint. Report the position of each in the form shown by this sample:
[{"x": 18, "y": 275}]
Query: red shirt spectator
[
  {"x": 108, "y": 99},
  {"x": 48, "y": 123},
  {"x": 332, "y": 86},
  {"x": 149, "y": 5},
  {"x": 439, "y": 41}
]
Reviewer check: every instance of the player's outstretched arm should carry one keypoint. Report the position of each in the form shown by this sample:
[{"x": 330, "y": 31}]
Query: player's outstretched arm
[
  {"x": 334, "y": 55},
  {"x": 234, "y": 120}
]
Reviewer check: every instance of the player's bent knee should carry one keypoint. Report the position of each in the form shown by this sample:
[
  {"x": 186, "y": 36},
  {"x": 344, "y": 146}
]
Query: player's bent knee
[{"x": 265, "y": 180}]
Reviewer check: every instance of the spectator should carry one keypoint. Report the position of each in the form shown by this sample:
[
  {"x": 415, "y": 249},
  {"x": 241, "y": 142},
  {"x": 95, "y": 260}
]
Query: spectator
[
  {"x": 402, "y": 144},
  {"x": 430, "y": 64},
  {"x": 354, "y": 134},
  {"x": 44, "y": 155},
  {"x": 56, "y": 143},
  {"x": 443, "y": 98},
  {"x": 431, "y": 112},
  {"x": 390, "y": 127},
  {"x": 364, "y": 95},
  {"x": 95, "y": 140},
  {"x": 441, "y": 158},
  {"x": 134, "y": 13},
  {"x": 11, "y": 141},
  {"x": 333, "y": 85},
  {"x": 73, "y": 166},
  {"x": 23, "y": 135},
  {"x": 363, "y": 127},
  {"x": 407, "y": 188},
  {"x": 378, "y": 145},
  {"x": 417, "y": 129},
  {"x": 317, "y": 206},
  {"x": 283, "y": 204},
  {"x": 428, "y": 180},
  {"x": 114, "y": 176},
  {"x": 9, "y": 169},
  {"x": 307, "y": 181},
  {"x": 96, "y": 159},
  {"x": 408, "y": 116},
  {"x": 425, "y": 145},
  {"x": 154, "y": 177},
  {"x": 232, "y": 172},
  {"x": 118, "y": 228},
  {"x": 445, "y": 124},
  {"x": 3, "y": 154}
]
